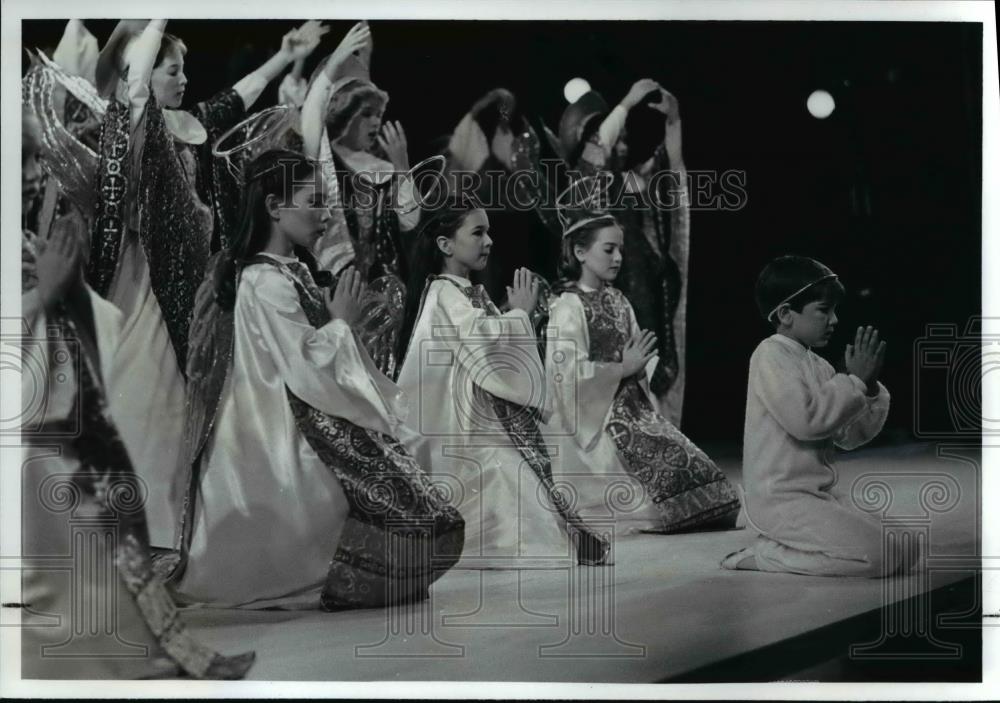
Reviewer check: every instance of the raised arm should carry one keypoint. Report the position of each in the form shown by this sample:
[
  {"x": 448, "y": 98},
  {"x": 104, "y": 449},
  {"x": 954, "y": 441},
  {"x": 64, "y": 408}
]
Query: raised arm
[
  {"x": 314, "y": 108},
  {"x": 141, "y": 60},
  {"x": 296, "y": 46}
]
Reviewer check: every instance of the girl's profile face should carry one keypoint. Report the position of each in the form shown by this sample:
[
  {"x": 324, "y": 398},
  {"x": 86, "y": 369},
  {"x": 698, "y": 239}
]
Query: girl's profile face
[
  {"x": 603, "y": 259},
  {"x": 303, "y": 220},
  {"x": 469, "y": 249},
  {"x": 361, "y": 132},
  {"x": 168, "y": 79}
]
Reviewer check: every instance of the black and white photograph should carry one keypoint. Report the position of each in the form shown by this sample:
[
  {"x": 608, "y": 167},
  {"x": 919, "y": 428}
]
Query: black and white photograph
[{"x": 519, "y": 350}]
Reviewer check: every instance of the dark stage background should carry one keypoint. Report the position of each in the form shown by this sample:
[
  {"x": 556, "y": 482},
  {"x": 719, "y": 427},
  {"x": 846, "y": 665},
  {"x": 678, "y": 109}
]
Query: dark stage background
[{"x": 886, "y": 191}]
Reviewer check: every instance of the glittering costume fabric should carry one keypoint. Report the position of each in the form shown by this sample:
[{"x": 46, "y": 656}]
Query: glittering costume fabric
[
  {"x": 372, "y": 223},
  {"x": 174, "y": 228},
  {"x": 67, "y": 159},
  {"x": 401, "y": 533},
  {"x": 216, "y": 186},
  {"x": 112, "y": 190},
  {"x": 107, "y": 477},
  {"x": 686, "y": 487},
  {"x": 374, "y": 230},
  {"x": 521, "y": 425}
]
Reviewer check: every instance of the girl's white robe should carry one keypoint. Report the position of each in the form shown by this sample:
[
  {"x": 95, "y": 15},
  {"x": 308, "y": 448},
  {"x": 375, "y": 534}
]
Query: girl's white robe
[
  {"x": 509, "y": 520},
  {"x": 270, "y": 512}
]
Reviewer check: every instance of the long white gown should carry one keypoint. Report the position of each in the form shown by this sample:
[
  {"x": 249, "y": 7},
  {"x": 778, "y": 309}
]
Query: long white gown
[
  {"x": 270, "y": 513},
  {"x": 509, "y": 519}
]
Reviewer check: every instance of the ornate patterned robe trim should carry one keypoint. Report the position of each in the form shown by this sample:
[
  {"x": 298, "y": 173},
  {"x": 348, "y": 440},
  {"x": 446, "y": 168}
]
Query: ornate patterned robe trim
[
  {"x": 686, "y": 487},
  {"x": 106, "y": 473},
  {"x": 112, "y": 188},
  {"x": 521, "y": 425}
]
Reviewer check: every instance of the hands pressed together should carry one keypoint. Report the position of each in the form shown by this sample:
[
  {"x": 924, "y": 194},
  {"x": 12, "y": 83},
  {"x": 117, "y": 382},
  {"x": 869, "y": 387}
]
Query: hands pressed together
[{"x": 864, "y": 358}]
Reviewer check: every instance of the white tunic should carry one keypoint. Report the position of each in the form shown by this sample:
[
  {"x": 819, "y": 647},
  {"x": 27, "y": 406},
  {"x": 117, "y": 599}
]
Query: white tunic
[
  {"x": 581, "y": 393},
  {"x": 269, "y": 513},
  {"x": 509, "y": 521},
  {"x": 798, "y": 410}
]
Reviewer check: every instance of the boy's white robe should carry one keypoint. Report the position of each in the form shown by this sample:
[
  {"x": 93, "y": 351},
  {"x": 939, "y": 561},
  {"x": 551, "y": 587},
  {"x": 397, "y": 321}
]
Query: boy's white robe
[
  {"x": 798, "y": 410},
  {"x": 580, "y": 395},
  {"x": 509, "y": 521}
]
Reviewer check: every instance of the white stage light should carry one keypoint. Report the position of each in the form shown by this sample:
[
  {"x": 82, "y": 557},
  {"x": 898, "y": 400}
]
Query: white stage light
[
  {"x": 575, "y": 87},
  {"x": 820, "y": 104}
]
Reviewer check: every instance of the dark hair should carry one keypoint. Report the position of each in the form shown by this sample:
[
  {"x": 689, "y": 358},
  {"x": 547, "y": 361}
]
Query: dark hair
[
  {"x": 570, "y": 268},
  {"x": 428, "y": 259},
  {"x": 168, "y": 43},
  {"x": 788, "y": 274},
  {"x": 271, "y": 173}
]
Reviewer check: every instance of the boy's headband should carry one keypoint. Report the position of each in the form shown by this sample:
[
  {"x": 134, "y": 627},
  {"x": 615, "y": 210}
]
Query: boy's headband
[{"x": 803, "y": 289}]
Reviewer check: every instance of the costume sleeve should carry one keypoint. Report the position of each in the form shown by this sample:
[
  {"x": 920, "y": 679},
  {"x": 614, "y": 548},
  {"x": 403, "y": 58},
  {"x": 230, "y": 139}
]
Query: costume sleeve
[
  {"x": 863, "y": 428},
  {"x": 806, "y": 413},
  {"x": 141, "y": 60},
  {"x": 324, "y": 367},
  {"x": 612, "y": 127},
  {"x": 581, "y": 390},
  {"x": 313, "y": 110},
  {"x": 250, "y": 87},
  {"x": 498, "y": 352}
]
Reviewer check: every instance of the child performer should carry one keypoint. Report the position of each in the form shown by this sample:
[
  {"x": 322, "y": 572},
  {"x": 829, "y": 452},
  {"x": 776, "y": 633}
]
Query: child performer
[
  {"x": 649, "y": 180},
  {"x": 76, "y": 467},
  {"x": 474, "y": 380},
  {"x": 153, "y": 233},
  {"x": 798, "y": 410},
  {"x": 300, "y": 494},
  {"x": 596, "y": 364}
]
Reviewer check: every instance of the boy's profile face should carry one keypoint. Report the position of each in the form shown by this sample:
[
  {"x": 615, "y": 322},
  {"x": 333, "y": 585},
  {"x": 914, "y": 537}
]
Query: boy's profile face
[{"x": 813, "y": 326}]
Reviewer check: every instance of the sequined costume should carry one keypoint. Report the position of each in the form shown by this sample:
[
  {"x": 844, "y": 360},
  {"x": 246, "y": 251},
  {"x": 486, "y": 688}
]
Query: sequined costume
[
  {"x": 613, "y": 421},
  {"x": 294, "y": 460}
]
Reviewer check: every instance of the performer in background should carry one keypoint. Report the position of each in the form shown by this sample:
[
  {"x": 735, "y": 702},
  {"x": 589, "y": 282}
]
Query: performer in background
[
  {"x": 77, "y": 476},
  {"x": 365, "y": 166},
  {"x": 300, "y": 494},
  {"x": 649, "y": 188},
  {"x": 474, "y": 382},
  {"x": 598, "y": 364}
]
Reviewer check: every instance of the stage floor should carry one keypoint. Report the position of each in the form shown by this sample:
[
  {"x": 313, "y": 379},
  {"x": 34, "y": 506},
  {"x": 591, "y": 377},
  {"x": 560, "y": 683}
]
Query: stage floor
[{"x": 664, "y": 610}]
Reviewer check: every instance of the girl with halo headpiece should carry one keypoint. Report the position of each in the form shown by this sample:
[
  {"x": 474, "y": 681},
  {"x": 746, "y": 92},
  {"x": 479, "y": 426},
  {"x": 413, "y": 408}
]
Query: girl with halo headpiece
[
  {"x": 626, "y": 461},
  {"x": 299, "y": 493},
  {"x": 650, "y": 181},
  {"x": 160, "y": 197},
  {"x": 475, "y": 385}
]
